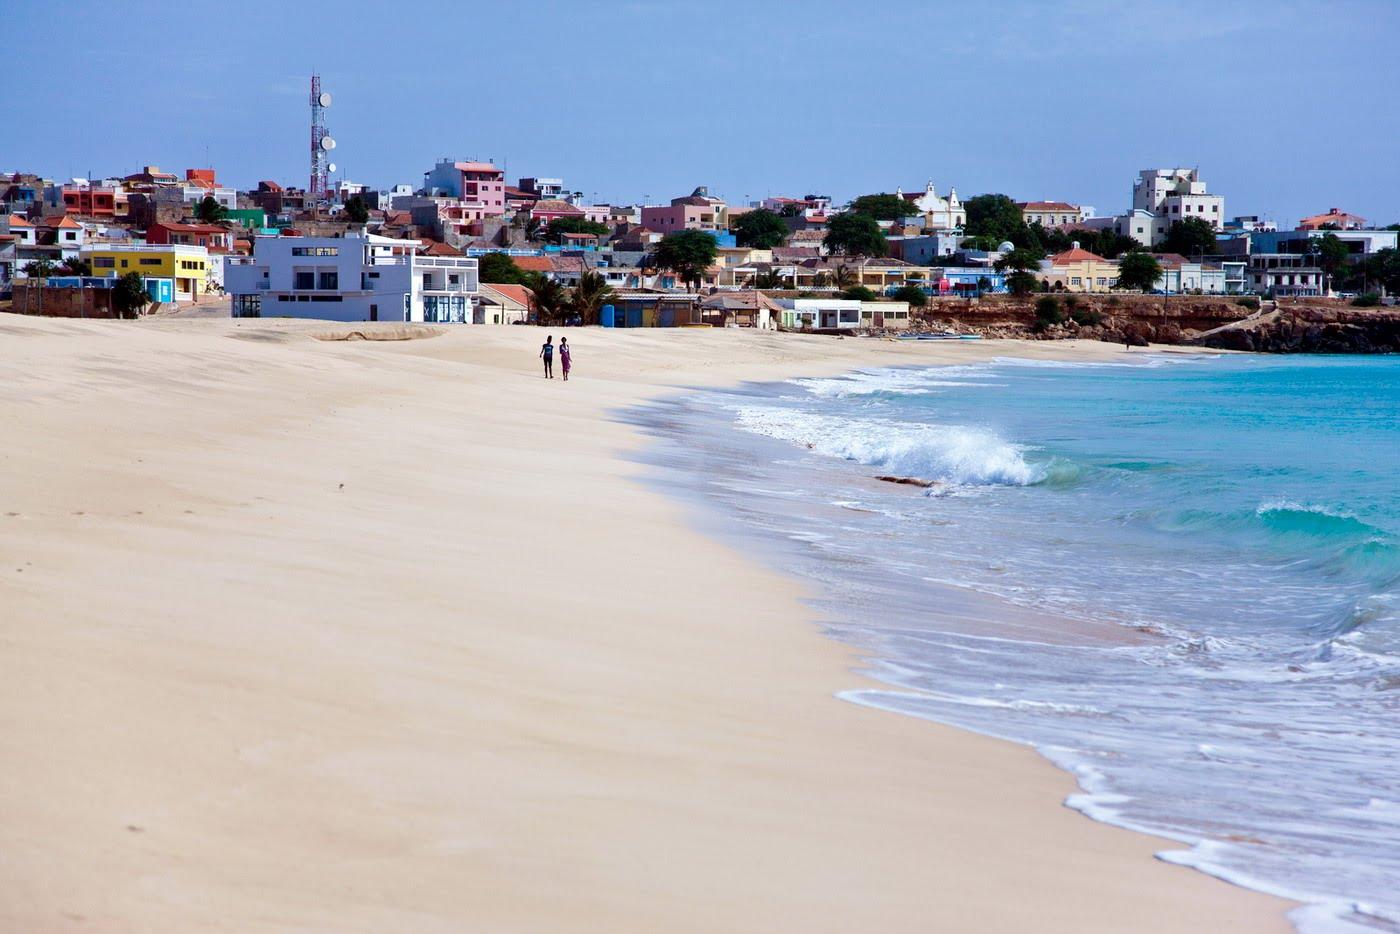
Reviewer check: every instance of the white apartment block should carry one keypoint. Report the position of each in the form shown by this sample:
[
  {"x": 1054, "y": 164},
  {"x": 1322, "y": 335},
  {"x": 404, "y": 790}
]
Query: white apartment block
[
  {"x": 1177, "y": 194},
  {"x": 352, "y": 278}
]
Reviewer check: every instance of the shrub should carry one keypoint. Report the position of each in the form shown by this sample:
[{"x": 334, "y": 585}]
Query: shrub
[
  {"x": 912, "y": 294},
  {"x": 1249, "y": 301},
  {"x": 1085, "y": 316},
  {"x": 1048, "y": 312},
  {"x": 860, "y": 293},
  {"x": 1368, "y": 300}
]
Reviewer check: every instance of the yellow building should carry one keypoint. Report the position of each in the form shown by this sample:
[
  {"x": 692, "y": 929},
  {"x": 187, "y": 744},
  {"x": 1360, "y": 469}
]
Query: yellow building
[
  {"x": 186, "y": 266},
  {"x": 1078, "y": 270}
]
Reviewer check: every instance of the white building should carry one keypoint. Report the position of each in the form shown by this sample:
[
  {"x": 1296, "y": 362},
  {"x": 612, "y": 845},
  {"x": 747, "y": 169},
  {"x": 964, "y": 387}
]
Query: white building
[
  {"x": 352, "y": 278},
  {"x": 937, "y": 213},
  {"x": 1177, "y": 194},
  {"x": 193, "y": 194},
  {"x": 820, "y": 313},
  {"x": 1183, "y": 276}
]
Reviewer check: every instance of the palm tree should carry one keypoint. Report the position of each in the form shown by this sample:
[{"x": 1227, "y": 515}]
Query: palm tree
[
  {"x": 842, "y": 277},
  {"x": 549, "y": 298},
  {"x": 771, "y": 279},
  {"x": 590, "y": 295},
  {"x": 533, "y": 226}
]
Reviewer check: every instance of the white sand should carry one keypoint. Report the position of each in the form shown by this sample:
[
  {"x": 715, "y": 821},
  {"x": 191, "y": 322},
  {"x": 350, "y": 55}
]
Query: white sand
[{"x": 328, "y": 636}]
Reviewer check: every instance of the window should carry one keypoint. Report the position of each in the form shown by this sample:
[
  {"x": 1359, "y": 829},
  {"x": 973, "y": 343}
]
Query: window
[
  {"x": 374, "y": 275},
  {"x": 150, "y": 261},
  {"x": 330, "y": 280},
  {"x": 315, "y": 251},
  {"x": 69, "y": 235},
  {"x": 305, "y": 280},
  {"x": 104, "y": 262},
  {"x": 123, "y": 264},
  {"x": 1074, "y": 280}
]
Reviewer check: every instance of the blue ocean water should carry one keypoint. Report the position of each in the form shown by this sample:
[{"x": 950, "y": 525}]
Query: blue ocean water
[{"x": 1179, "y": 578}]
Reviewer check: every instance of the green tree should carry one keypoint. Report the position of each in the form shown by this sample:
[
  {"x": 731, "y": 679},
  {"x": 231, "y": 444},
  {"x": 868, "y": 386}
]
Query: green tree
[
  {"x": 1022, "y": 282},
  {"x": 855, "y": 235},
  {"x": 499, "y": 268},
  {"x": 591, "y": 293},
  {"x": 40, "y": 268},
  {"x": 687, "y": 253},
  {"x": 550, "y": 297},
  {"x": 574, "y": 225},
  {"x": 1048, "y": 312},
  {"x": 356, "y": 211},
  {"x": 860, "y": 293},
  {"x": 210, "y": 211},
  {"x": 1018, "y": 260},
  {"x": 76, "y": 266},
  {"x": 1191, "y": 237},
  {"x": 994, "y": 216},
  {"x": 912, "y": 294},
  {"x": 1383, "y": 269},
  {"x": 533, "y": 228},
  {"x": 883, "y": 207},
  {"x": 792, "y": 210},
  {"x": 843, "y": 276},
  {"x": 1138, "y": 271},
  {"x": 1330, "y": 253},
  {"x": 769, "y": 279},
  {"x": 759, "y": 229},
  {"x": 129, "y": 295}
]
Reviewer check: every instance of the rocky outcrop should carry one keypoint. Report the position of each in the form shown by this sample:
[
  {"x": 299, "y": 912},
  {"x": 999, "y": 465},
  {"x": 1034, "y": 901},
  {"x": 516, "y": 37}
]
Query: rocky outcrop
[
  {"x": 1306, "y": 326},
  {"x": 1311, "y": 329}
]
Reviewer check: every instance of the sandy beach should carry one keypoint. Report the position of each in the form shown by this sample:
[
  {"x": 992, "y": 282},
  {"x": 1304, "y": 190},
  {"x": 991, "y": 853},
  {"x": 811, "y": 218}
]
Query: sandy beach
[{"x": 337, "y": 636}]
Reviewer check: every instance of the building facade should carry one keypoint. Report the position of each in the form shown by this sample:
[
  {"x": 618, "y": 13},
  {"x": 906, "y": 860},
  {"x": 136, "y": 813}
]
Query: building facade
[
  {"x": 1177, "y": 194},
  {"x": 352, "y": 278},
  {"x": 1050, "y": 213},
  {"x": 186, "y": 266},
  {"x": 479, "y": 186}
]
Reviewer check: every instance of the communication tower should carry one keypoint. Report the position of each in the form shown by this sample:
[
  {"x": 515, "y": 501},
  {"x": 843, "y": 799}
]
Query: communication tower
[{"x": 321, "y": 141}]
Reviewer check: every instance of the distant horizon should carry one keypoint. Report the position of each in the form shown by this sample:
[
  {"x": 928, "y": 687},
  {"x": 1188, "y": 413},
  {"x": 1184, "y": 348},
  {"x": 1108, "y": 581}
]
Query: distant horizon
[{"x": 1060, "y": 103}]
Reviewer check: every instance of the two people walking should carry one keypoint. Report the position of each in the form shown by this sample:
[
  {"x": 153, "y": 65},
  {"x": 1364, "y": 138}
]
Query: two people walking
[{"x": 547, "y": 355}]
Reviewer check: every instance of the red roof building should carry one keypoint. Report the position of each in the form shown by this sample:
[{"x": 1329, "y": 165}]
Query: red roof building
[
  {"x": 1334, "y": 218},
  {"x": 208, "y": 236}
]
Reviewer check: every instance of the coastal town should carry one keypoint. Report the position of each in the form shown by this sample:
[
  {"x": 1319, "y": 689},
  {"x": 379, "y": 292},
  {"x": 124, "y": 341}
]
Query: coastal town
[
  {"x": 469, "y": 245},
  {"x": 686, "y": 468}
]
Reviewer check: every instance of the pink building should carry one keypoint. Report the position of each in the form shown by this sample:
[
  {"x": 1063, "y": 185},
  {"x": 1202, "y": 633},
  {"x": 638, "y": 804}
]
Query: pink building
[
  {"x": 696, "y": 212},
  {"x": 480, "y": 186}
]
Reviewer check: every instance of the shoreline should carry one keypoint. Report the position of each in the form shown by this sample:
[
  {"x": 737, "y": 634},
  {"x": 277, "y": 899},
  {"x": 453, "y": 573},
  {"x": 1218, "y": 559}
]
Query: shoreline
[{"x": 287, "y": 630}]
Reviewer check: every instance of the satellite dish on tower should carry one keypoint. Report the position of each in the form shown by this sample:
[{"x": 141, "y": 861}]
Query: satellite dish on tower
[
  {"x": 331, "y": 167},
  {"x": 327, "y": 143},
  {"x": 325, "y": 99}
]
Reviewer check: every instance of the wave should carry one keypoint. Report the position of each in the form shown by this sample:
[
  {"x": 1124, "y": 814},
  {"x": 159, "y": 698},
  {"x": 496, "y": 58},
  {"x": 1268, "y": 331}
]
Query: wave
[{"x": 949, "y": 453}]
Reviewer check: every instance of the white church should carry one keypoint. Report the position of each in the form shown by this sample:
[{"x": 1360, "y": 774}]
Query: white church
[{"x": 938, "y": 213}]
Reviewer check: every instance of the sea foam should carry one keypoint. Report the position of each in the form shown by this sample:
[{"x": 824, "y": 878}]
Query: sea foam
[{"x": 958, "y": 454}]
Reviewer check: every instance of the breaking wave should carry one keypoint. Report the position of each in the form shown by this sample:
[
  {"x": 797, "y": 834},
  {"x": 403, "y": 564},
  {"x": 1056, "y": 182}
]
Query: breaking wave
[{"x": 949, "y": 453}]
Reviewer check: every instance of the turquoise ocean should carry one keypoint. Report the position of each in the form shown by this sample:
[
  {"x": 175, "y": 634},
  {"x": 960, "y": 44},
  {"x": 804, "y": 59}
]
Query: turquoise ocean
[{"x": 1177, "y": 577}]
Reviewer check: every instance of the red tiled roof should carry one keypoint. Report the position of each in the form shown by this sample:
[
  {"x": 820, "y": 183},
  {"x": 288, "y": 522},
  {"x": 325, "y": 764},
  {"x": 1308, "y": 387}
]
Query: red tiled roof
[
  {"x": 17, "y": 221},
  {"x": 533, "y": 263},
  {"x": 554, "y": 206},
  {"x": 1075, "y": 255},
  {"x": 1046, "y": 206},
  {"x": 61, "y": 220},
  {"x": 516, "y": 293},
  {"x": 175, "y": 227},
  {"x": 438, "y": 248}
]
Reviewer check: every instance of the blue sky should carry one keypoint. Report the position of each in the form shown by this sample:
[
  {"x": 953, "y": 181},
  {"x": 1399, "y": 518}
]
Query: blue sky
[{"x": 1287, "y": 107}]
